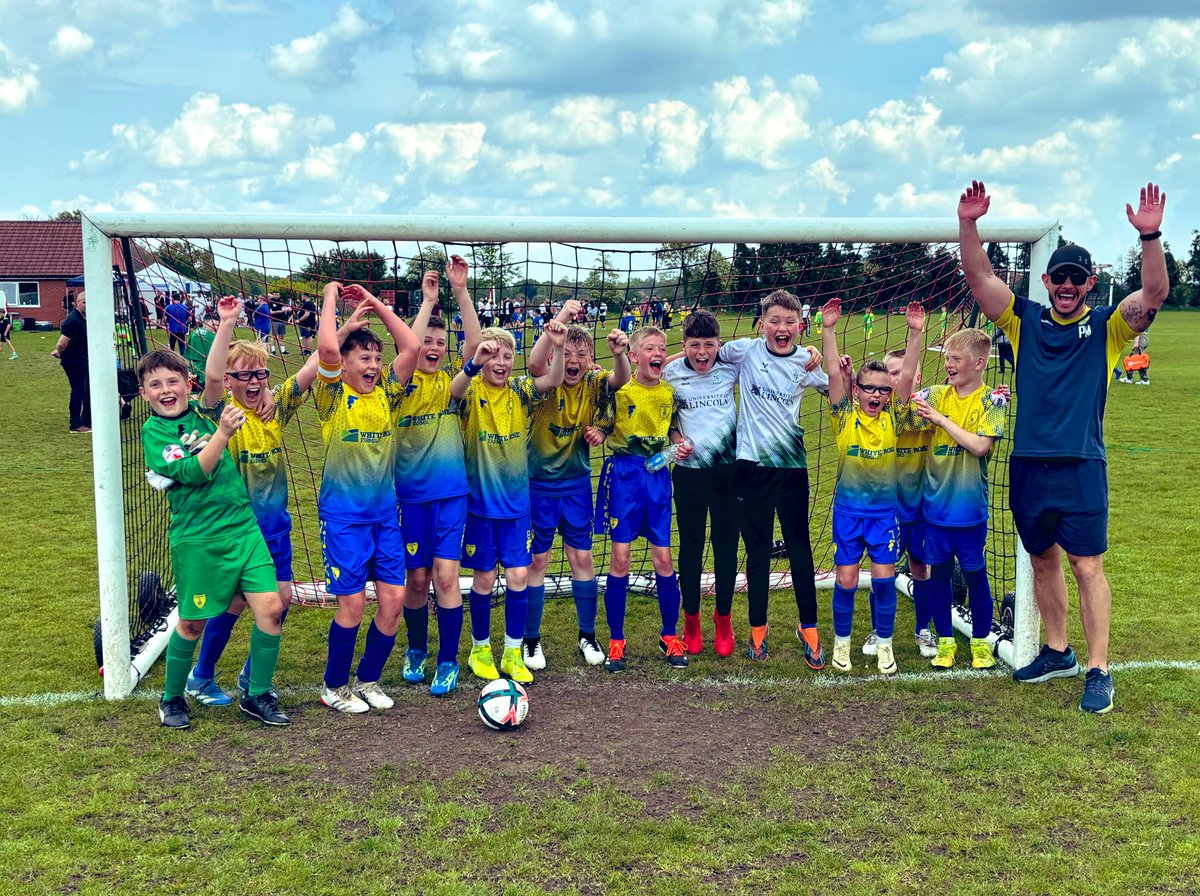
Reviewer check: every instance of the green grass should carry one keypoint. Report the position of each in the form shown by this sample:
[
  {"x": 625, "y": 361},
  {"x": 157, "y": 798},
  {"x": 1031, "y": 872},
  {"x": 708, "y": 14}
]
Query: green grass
[{"x": 730, "y": 779}]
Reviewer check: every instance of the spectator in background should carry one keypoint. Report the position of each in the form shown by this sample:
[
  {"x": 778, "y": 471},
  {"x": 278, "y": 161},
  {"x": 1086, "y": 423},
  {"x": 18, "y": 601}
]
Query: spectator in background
[
  {"x": 72, "y": 353},
  {"x": 6, "y": 327},
  {"x": 306, "y": 323},
  {"x": 280, "y": 313},
  {"x": 178, "y": 317}
]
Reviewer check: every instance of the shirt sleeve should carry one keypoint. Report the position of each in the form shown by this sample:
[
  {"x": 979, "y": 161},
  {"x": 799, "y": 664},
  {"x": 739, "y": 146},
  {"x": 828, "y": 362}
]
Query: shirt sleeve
[
  {"x": 288, "y": 398},
  {"x": 166, "y": 455},
  {"x": 214, "y": 412},
  {"x": 735, "y": 350},
  {"x": 1010, "y": 321},
  {"x": 327, "y": 393},
  {"x": 995, "y": 414},
  {"x": 841, "y": 414},
  {"x": 1117, "y": 336},
  {"x": 394, "y": 389}
]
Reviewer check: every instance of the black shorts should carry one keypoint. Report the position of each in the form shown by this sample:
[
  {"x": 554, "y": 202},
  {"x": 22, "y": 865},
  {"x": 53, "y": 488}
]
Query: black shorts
[
  {"x": 307, "y": 332},
  {"x": 1060, "y": 502}
]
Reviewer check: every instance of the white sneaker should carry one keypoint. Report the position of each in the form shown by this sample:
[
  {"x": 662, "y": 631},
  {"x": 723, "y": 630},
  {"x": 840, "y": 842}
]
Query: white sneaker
[
  {"x": 591, "y": 651},
  {"x": 885, "y": 659},
  {"x": 1142, "y": 383},
  {"x": 535, "y": 657},
  {"x": 927, "y": 643},
  {"x": 343, "y": 699},
  {"x": 372, "y": 694},
  {"x": 870, "y": 645},
  {"x": 1125, "y": 379},
  {"x": 841, "y": 655}
]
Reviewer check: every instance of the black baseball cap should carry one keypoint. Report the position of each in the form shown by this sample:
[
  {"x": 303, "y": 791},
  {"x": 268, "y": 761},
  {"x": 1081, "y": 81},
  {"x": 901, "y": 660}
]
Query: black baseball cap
[{"x": 1070, "y": 256}]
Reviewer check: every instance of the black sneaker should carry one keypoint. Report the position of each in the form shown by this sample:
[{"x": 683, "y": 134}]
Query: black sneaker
[
  {"x": 264, "y": 708},
  {"x": 175, "y": 713},
  {"x": 1048, "y": 664},
  {"x": 672, "y": 648},
  {"x": 1097, "y": 691}
]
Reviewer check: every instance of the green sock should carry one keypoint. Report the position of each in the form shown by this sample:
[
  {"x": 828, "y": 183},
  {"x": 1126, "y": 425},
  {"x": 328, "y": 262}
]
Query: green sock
[
  {"x": 179, "y": 663},
  {"x": 264, "y": 654}
]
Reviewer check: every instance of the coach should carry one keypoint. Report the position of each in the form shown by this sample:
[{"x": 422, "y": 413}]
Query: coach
[
  {"x": 1058, "y": 475},
  {"x": 72, "y": 351}
]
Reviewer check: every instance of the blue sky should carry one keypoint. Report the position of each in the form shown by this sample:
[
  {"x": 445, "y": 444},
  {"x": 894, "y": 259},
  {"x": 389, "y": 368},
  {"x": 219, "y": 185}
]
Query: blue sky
[{"x": 574, "y": 107}]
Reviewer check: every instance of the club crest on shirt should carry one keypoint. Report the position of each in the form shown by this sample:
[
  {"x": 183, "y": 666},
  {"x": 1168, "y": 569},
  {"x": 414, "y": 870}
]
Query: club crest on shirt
[
  {"x": 200, "y": 600},
  {"x": 173, "y": 452},
  {"x": 412, "y": 547}
]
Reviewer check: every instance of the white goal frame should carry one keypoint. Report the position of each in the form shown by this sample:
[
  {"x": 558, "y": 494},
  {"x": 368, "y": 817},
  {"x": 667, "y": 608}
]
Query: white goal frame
[{"x": 121, "y": 675}]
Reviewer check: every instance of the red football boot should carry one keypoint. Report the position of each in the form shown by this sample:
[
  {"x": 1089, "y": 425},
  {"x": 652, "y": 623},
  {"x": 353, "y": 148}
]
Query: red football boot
[
  {"x": 724, "y": 641},
  {"x": 693, "y": 638}
]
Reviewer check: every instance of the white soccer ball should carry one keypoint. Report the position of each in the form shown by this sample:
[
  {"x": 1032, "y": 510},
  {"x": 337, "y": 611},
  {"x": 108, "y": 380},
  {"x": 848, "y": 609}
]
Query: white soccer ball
[{"x": 503, "y": 705}]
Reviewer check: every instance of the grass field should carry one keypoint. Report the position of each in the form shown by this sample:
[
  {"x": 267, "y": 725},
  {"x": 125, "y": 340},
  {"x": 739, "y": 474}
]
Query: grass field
[{"x": 726, "y": 779}]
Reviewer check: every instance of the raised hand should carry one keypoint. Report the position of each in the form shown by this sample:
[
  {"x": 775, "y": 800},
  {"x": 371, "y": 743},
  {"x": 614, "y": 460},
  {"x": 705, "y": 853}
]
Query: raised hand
[
  {"x": 457, "y": 271},
  {"x": 1149, "y": 214},
  {"x": 618, "y": 342},
  {"x": 556, "y": 332},
  {"x": 570, "y": 308},
  {"x": 356, "y": 294},
  {"x": 974, "y": 201},
  {"x": 486, "y": 350},
  {"x": 331, "y": 290},
  {"x": 429, "y": 288},
  {"x": 814, "y": 358},
  {"x": 831, "y": 313},
  {"x": 915, "y": 317},
  {"x": 193, "y": 442},
  {"x": 232, "y": 419},
  {"x": 229, "y": 308}
]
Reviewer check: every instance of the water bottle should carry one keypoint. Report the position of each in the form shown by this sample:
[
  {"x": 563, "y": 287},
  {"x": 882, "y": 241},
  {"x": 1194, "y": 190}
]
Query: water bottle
[{"x": 667, "y": 456}]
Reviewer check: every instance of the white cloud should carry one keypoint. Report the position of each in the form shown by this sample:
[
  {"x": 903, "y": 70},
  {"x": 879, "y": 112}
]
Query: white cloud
[
  {"x": 908, "y": 200},
  {"x": 326, "y": 56},
  {"x": 675, "y": 131},
  {"x": 574, "y": 123},
  {"x": 1170, "y": 161},
  {"x": 823, "y": 172},
  {"x": 902, "y": 130},
  {"x": 208, "y": 132},
  {"x": 449, "y": 149},
  {"x": 328, "y": 163},
  {"x": 70, "y": 42},
  {"x": 756, "y": 130},
  {"x": 18, "y": 82}
]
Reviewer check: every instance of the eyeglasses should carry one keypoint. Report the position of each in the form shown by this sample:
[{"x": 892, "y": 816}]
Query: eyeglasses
[
  {"x": 872, "y": 389},
  {"x": 247, "y": 375},
  {"x": 1078, "y": 278}
]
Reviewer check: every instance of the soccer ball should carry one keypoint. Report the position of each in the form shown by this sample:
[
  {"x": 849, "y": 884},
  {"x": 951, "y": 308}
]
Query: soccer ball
[{"x": 503, "y": 705}]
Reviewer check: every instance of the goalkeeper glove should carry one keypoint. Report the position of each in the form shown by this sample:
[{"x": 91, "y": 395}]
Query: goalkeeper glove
[
  {"x": 158, "y": 481},
  {"x": 194, "y": 442}
]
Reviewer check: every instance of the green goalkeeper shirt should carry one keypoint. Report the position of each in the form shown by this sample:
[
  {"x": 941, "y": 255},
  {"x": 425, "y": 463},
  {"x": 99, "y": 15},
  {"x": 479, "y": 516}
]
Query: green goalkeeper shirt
[{"x": 204, "y": 506}]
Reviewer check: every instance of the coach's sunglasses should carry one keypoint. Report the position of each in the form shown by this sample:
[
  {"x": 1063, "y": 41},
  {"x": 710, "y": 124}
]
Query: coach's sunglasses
[
  {"x": 871, "y": 388},
  {"x": 1078, "y": 278},
  {"x": 247, "y": 375}
]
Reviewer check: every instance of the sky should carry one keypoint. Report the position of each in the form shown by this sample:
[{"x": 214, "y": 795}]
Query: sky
[{"x": 778, "y": 108}]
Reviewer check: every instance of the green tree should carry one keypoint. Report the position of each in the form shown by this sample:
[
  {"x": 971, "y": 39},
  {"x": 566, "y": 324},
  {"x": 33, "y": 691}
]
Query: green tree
[
  {"x": 604, "y": 279},
  {"x": 347, "y": 265},
  {"x": 494, "y": 268},
  {"x": 744, "y": 277},
  {"x": 188, "y": 260}
]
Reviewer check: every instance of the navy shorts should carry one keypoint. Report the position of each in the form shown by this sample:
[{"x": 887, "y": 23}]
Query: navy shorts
[
  {"x": 490, "y": 542},
  {"x": 637, "y": 502},
  {"x": 1060, "y": 502},
  {"x": 878, "y": 537},
  {"x": 357, "y": 552},
  {"x": 433, "y": 530},
  {"x": 944, "y": 543},
  {"x": 912, "y": 540},
  {"x": 280, "y": 547},
  {"x": 569, "y": 513}
]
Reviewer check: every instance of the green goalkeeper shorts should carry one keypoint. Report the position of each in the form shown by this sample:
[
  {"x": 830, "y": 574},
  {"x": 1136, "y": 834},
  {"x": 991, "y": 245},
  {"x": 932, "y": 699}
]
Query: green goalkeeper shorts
[{"x": 207, "y": 575}]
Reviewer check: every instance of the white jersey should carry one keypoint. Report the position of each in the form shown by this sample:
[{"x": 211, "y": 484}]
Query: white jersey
[
  {"x": 707, "y": 411},
  {"x": 768, "y": 426}
]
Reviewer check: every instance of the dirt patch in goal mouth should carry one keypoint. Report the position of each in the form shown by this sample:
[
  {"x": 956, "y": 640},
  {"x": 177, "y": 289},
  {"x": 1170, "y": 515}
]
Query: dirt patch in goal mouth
[{"x": 643, "y": 736}]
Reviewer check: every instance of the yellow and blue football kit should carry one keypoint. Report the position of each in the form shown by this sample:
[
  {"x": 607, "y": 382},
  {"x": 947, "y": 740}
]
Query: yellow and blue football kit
[{"x": 864, "y": 499}]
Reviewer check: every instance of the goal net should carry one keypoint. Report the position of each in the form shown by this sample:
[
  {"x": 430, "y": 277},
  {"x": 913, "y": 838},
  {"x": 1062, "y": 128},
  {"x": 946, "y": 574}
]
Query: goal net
[{"x": 625, "y": 272}]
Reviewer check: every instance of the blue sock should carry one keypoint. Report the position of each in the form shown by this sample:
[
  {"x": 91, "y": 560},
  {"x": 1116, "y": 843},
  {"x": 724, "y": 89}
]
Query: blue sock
[
  {"x": 481, "y": 615},
  {"x": 375, "y": 654},
  {"x": 450, "y": 623},
  {"x": 980, "y": 591},
  {"x": 587, "y": 600},
  {"x": 416, "y": 623},
  {"x": 516, "y": 601},
  {"x": 884, "y": 592},
  {"x": 843, "y": 611},
  {"x": 874, "y": 612},
  {"x": 615, "y": 592},
  {"x": 941, "y": 593},
  {"x": 246, "y": 668},
  {"x": 341, "y": 653},
  {"x": 212, "y": 644},
  {"x": 535, "y": 596},
  {"x": 668, "y": 602},
  {"x": 920, "y": 595}
]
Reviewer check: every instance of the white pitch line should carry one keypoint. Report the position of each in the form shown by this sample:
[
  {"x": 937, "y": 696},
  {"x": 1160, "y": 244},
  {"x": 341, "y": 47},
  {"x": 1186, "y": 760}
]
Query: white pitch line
[{"x": 735, "y": 681}]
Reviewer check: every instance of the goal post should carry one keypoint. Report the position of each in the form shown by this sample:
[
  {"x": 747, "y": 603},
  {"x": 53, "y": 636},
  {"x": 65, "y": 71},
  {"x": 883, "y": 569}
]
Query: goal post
[{"x": 242, "y": 242}]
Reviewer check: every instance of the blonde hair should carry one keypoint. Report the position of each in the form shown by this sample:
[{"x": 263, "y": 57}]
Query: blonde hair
[
  {"x": 499, "y": 334},
  {"x": 972, "y": 340},
  {"x": 783, "y": 299},
  {"x": 641, "y": 334},
  {"x": 247, "y": 354}
]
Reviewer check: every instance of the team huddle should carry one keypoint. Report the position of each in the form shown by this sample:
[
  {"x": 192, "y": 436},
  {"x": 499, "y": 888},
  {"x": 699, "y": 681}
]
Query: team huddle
[{"x": 434, "y": 465}]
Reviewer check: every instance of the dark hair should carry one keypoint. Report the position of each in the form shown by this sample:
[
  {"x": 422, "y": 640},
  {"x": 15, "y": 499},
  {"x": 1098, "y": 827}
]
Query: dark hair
[
  {"x": 435, "y": 323},
  {"x": 870, "y": 366},
  {"x": 577, "y": 335},
  {"x": 361, "y": 339},
  {"x": 701, "y": 325},
  {"x": 164, "y": 358}
]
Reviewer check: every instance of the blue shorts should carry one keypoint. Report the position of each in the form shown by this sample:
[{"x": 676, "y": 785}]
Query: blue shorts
[
  {"x": 569, "y": 513},
  {"x": 944, "y": 543},
  {"x": 433, "y": 530},
  {"x": 280, "y": 547},
  {"x": 1060, "y": 502},
  {"x": 878, "y": 537},
  {"x": 912, "y": 540},
  {"x": 490, "y": 542},
  {"x": 356, "y": 552},
  {"x": 633, "y": 502}
]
